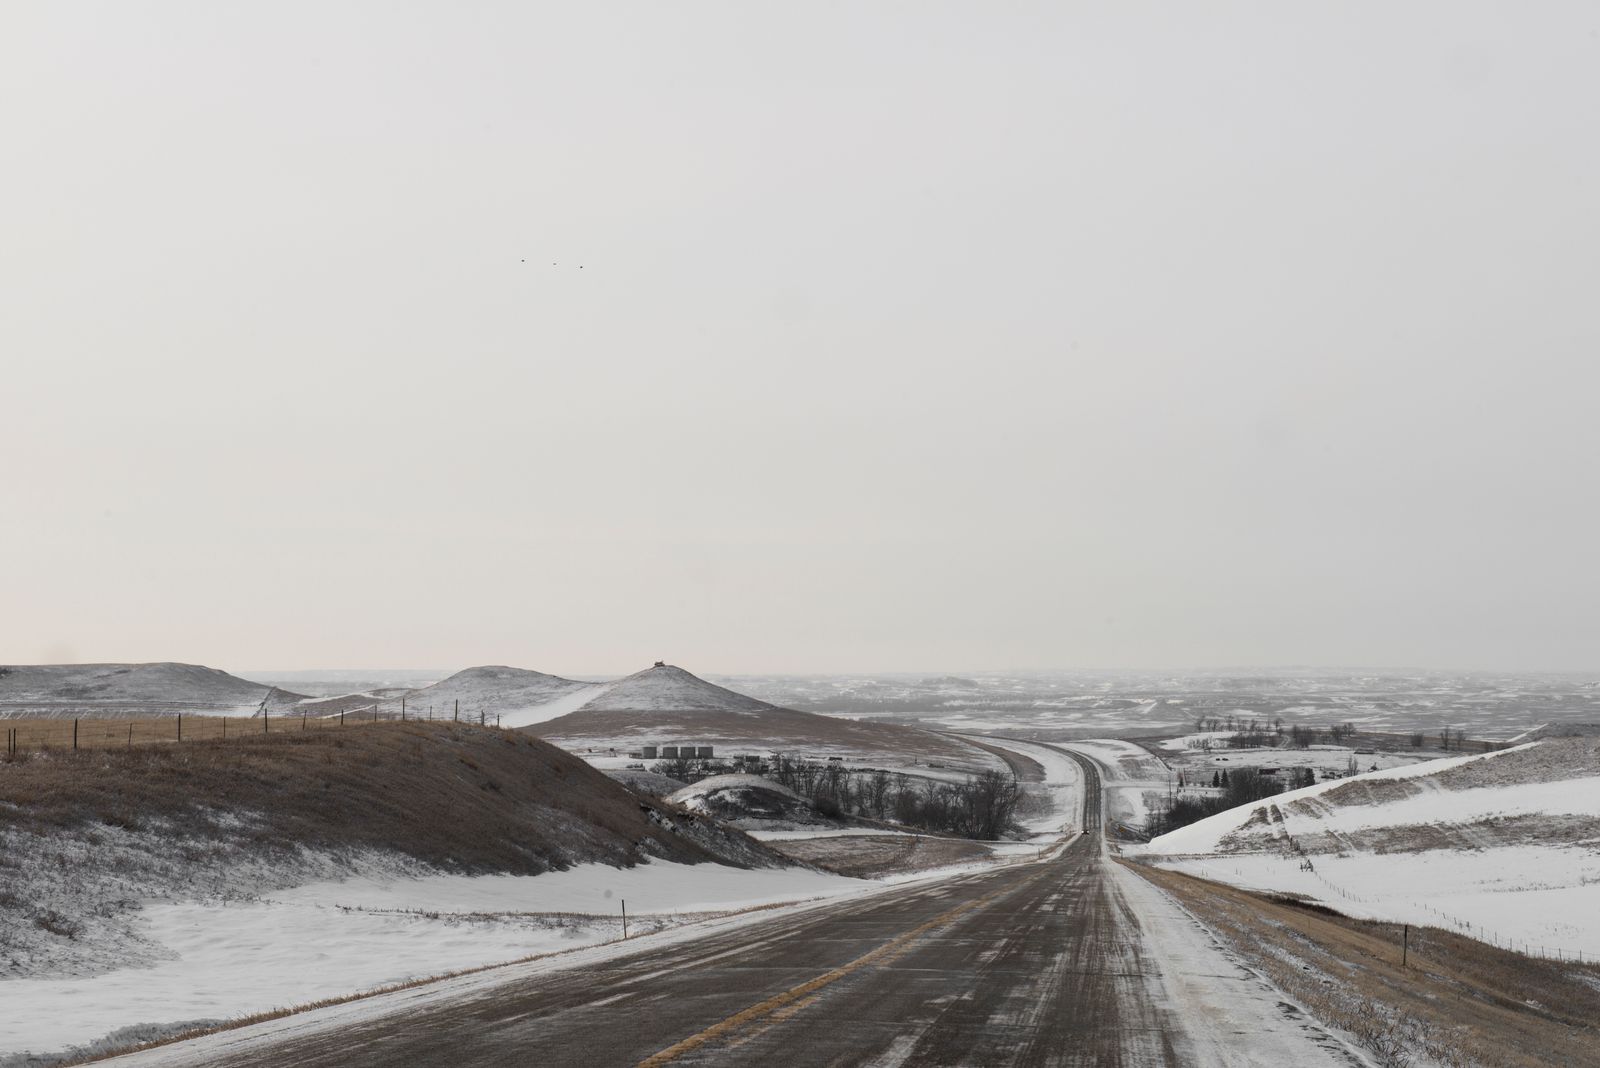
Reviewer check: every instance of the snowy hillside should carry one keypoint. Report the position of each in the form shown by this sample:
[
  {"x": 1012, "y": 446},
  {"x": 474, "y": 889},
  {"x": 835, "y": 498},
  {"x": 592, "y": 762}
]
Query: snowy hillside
[
  {"x": 1500, "y": 845},
  {"x": 516, "y": 695},
  {"x": 122, "y": 689},
  {"x": 665, "y": 688},
  {"x": 521, "y": 698},
  {"x": 154, "y": 887}
]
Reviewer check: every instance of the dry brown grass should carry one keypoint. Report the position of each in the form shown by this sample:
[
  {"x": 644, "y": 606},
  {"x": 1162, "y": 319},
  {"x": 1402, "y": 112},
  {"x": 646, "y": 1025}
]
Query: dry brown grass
[
  {"x": 1458, "y": 1001},
  {"x": 773, "y": 728},
  {"x": 101, "y": 732},
  {"x": 456, "y": 796}
]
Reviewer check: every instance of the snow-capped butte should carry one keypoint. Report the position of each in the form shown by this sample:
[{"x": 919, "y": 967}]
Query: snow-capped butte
[{"x": 665, "y": 688}]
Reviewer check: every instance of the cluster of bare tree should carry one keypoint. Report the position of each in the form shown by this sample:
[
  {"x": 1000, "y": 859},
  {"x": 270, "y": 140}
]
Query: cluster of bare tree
[
  {"x": 691, "y": 770},
  {"x": 981, "y": 806},
  {"x": 1239, "y": 787},
  {"x": 1231, "y": 722},
  {"x": 1262, "y": 734}
]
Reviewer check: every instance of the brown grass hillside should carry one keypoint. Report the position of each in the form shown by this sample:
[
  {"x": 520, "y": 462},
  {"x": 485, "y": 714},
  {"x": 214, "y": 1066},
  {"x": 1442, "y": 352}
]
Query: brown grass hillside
[{"x": 455, "y": 796}]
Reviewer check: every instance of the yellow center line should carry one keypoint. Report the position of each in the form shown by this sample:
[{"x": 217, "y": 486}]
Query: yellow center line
[{"x": 811, "y": 986}]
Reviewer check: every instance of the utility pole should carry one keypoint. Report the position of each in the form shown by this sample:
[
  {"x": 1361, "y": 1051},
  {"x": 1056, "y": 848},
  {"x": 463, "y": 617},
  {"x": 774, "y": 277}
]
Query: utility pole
[{"x": 624, "y": 918}]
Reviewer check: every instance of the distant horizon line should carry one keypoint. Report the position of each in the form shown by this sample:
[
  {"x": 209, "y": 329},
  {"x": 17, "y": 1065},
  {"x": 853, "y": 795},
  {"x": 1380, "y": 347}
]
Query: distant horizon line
[
  {"x": 1224, "y": 669},
  {"x": 1342, "y": 669}
]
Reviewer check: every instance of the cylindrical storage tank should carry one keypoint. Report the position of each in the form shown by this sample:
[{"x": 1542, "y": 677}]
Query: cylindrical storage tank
[
  {"x": 704, "y": 752},
  {"x": 649, "y": 752},
  {"x": 669, "y": 752}
]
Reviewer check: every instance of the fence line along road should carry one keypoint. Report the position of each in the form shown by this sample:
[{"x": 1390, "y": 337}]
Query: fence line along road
[{"x": 36, "y": 734}]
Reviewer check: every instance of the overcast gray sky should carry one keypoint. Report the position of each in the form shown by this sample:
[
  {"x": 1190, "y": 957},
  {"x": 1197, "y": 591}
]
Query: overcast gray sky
[{"x": 906, "y": 336}]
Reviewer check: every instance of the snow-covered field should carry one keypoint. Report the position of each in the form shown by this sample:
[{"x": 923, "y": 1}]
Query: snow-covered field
[
  {"x": 1499, "y": 846},
  {"x": 216, "y": 960},
  {"x": 1055, "y": 705}
]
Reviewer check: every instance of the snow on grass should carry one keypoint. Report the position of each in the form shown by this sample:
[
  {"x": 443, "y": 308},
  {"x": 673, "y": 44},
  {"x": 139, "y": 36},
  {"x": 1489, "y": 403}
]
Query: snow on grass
[
  {"x": 325, "y": 939},
  {"x": 559, "y": 706},
  {"x": 1516, "y": 866},
  {"x": 1535, "y": 898}
]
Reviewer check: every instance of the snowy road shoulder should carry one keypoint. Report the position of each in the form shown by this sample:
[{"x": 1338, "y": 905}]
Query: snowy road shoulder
[{"x": 1234, "y": 1016}]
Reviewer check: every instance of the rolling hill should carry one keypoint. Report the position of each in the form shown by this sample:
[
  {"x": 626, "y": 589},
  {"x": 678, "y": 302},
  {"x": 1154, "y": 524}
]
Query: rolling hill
[
  {"x": 130, "y": 689},
  {"x": 516, "y": 696}
]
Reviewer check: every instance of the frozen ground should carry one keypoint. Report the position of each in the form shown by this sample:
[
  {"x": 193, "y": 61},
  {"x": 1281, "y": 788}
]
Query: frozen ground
[{"x": 1500, "y": 846}]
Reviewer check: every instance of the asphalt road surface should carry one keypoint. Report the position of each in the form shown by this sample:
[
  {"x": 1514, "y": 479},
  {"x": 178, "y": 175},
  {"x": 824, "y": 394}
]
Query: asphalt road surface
[{"x": 1038, "y": 963}]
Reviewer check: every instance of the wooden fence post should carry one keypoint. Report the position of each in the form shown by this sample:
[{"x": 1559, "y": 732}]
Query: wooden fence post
[
  {"x": 180, "y": 726},
  {"x": 74, "y": 734}
]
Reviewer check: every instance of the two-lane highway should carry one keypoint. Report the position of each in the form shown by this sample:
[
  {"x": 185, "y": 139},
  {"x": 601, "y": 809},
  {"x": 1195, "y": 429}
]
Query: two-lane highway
[{"x": 1040, "y": 963}]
